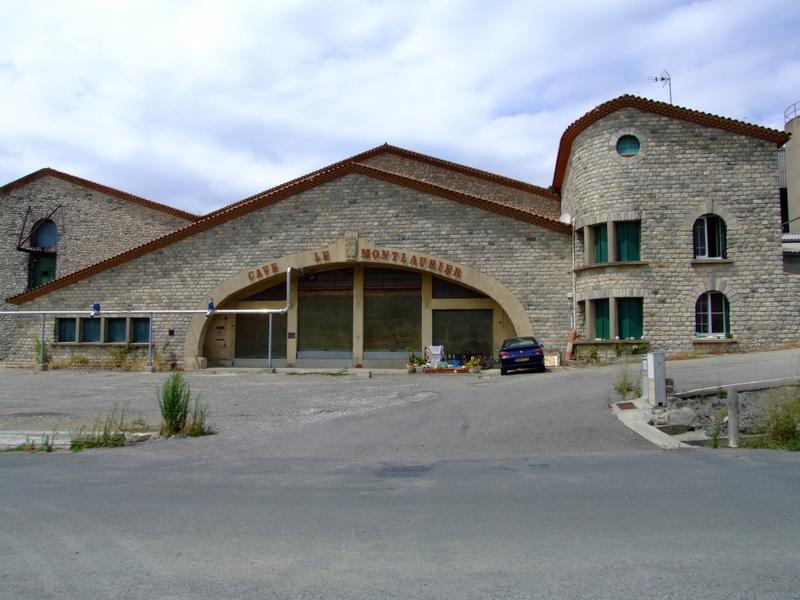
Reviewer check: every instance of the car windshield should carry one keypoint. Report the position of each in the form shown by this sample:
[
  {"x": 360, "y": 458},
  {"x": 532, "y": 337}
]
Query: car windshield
[{"x": 520, "y": 341}]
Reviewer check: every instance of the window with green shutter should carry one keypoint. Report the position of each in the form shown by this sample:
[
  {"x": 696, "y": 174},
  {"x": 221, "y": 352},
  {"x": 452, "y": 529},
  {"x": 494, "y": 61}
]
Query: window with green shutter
[
  {"x": 628, "y": 235},
  {"x": 629, "y": 318},
  {"x": 601, "y": 319},
  {"x": 42, "y": 269},
  {"x": 600, "y": 243}
]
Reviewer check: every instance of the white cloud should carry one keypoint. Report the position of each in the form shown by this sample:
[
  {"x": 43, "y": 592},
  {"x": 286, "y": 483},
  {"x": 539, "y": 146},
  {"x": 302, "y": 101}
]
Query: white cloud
[{"x": 199, "y": 105}]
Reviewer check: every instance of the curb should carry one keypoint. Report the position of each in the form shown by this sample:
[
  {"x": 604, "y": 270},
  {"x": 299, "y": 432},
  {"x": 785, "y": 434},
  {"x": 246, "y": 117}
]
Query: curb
[{"x": 636, "y": 419}]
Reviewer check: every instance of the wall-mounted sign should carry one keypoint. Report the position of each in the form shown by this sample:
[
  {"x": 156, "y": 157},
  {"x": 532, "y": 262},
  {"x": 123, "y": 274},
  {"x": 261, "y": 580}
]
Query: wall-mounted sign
[{"x": 410, "y": 260}]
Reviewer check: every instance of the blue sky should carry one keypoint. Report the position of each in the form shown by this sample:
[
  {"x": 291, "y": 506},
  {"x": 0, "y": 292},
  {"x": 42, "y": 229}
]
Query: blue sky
[{"x": 199, "y": 104}]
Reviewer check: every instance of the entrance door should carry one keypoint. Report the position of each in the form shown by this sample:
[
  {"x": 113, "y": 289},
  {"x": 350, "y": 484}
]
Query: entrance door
[{"x": 252, "y": 338}]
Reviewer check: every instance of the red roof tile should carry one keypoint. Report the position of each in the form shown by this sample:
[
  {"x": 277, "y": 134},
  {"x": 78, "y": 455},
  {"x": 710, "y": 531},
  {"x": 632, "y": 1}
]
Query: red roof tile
[
  {"x": 48, "y": 172},
  {"x": 282, "y": 192},
  {"x": 660, "y": 108}
]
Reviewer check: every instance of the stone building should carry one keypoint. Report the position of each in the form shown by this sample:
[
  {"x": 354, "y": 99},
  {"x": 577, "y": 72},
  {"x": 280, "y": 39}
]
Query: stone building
[{"x": 662, "y": 226}]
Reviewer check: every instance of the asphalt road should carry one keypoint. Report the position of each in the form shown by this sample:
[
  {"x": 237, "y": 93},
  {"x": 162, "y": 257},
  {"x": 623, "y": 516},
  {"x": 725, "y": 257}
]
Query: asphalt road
[
  {"x": 394, "y": 487},
  {"x": 680, "y": 524}
]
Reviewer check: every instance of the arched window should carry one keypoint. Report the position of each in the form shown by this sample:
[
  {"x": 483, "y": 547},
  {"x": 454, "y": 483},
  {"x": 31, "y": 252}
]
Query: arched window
[
  {"x": 42, "y": 260},
  {"x": 712, "y": 315},
  {"x": 710, "y": 237},
  {"x": 45, "y": 235}
]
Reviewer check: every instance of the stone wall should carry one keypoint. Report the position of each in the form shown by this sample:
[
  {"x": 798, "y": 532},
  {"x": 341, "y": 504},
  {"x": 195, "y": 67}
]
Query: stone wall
[
  {"x": 468, "y": 184},
  {"x": 681, "y": 172},
  {"x": 91, "y": 226},
  {"x": 534, "y": 263}
]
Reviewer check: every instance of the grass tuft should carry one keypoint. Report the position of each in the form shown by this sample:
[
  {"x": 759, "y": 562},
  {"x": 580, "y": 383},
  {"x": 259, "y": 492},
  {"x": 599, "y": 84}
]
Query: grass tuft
[
  {"x": 176, "y": 419},
  {"x": 174, "y": 404}
]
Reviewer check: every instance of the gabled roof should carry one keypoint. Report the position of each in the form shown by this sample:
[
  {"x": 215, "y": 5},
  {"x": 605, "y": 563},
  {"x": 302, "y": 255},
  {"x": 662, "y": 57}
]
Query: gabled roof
[
  {"x": 660, "y": 108},
  {"x": 48, "y": 172},
  {"x": 296, "y": 186}
]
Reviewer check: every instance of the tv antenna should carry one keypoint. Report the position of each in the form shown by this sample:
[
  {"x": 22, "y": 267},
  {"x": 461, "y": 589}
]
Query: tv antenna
[{"x": 665, "y": 80}]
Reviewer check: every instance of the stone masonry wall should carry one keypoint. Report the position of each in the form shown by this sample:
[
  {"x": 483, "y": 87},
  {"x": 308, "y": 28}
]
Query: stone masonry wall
[
  {"x": 465, "y": 183},
  {"x": 91, "y": 226},
  {"x": 683, "y": 171},
  {"x": 534, "y": 263}
]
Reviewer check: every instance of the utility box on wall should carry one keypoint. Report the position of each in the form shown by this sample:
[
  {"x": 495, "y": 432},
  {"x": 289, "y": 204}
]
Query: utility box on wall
[{"x": 656, "y": 378}]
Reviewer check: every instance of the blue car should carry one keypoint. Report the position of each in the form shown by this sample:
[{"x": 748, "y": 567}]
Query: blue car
[{"x": 521, "y": 353}]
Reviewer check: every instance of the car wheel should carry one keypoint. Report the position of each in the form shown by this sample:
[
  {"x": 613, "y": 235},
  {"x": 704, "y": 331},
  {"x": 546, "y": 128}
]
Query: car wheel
[
  {"x": 503, "y": 371},
  {"x": 542, "y": 369}
]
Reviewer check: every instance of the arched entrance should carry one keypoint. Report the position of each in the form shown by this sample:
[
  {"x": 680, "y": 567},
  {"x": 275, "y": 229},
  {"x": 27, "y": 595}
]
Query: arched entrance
[{"x": 356, "y": 304}]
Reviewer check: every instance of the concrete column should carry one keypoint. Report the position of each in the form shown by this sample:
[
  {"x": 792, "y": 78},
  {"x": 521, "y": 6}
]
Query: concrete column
[
  {"x": 358, "y": 315},
  {"x": 588, "y": 246},
  {"x": 590, "y": 333},
  {"x": 291, "y": 325},
  {"x": 612, "y": 318},
  {"x": 427, "y": 312},
  {"x": 792, "y": 156},
  {"x": 611, "y": 237},
  {"x": 733, "y": 417},
  {"x": 497, "y": 329}
]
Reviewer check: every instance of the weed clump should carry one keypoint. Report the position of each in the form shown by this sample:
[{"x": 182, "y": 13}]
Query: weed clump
[
  {"x": 782, "y": 420},
  {"x": 106, "y": 432},
  {"x": 174, "y": 404},
  {"x": 176, "y": 419}
]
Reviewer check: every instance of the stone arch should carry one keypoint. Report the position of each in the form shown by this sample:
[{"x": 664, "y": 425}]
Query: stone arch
[{"x": 347, "y": 251}]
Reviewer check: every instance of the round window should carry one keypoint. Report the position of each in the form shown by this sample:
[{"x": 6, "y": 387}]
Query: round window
[{"x": 628, "y": 145}]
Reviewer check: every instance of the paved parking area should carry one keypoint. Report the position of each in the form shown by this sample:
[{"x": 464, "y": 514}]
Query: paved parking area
[
  {"x": 395, "y": 417},
  {"x": 387, "y": 417}
]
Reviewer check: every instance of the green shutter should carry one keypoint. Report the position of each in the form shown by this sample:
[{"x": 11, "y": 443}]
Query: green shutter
[
  {"x": 600, "y": 243},
  {"x": 722, "y": 234},
  {"x": 42, "y": 269},
  {"x": 628, "y": 238},
  {"x": 601, "y": 320},
  {"x": 629, "y": 318}
]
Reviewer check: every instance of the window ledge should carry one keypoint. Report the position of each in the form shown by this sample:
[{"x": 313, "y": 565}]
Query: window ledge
[
  {"x": 627, "y": 263},
  {"x": 587, "y": 341},
  {"x": 102, "y": 344},
  {"x": 713, "y": 340},
  {"x": 712, "y": 261}
]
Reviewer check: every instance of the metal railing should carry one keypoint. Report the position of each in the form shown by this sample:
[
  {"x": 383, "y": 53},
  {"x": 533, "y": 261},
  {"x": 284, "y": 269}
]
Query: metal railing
[
  {"x": 96, "y": 311},
  {"x": 792, "y": 112}
]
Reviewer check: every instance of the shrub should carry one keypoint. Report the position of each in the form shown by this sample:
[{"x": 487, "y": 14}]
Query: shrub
[
  {"x": 78, "y": 361},
  {"x": 197, "y": 425},
  {"x": 622, "y": 382},
  {"x": 122, "y": 356},
  {"x": 716, "y": 427},
  {"x": 782, "y": 419},
  {"x": 174, "y": 404}
]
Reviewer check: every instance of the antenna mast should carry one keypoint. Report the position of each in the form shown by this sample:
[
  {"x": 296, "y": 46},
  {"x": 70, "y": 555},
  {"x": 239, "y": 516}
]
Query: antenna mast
[{"x": 665, "y": 80}]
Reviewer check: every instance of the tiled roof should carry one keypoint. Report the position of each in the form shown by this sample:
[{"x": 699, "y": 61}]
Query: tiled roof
[
  {"x": 48, "y": 172},
  {"x": 660, "y": 108},
  {"x": 284, "y": 191}
]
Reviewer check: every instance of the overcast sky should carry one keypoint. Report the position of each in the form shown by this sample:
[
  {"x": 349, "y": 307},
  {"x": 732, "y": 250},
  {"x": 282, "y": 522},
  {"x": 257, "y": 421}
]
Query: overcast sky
[{"x": 199, "y": 104}]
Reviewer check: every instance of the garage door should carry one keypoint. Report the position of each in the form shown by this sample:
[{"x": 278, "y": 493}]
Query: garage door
[{"x": 463, "y": 331}]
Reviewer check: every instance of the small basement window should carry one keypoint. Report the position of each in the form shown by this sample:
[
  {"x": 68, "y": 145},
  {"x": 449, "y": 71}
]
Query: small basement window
[
  {"x": 115, "y": 330},
  {"x": 65, "y": 330},
  {"x": 140, "y": 330},
  {"x": 90, "y": 330}
]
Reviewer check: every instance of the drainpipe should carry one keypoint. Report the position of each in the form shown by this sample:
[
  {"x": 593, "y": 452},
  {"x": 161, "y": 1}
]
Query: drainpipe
[{"x": 574, "y": 286}]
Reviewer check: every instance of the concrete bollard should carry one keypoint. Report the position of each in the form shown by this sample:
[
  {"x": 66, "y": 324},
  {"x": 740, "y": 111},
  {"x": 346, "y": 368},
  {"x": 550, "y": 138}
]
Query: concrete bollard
[{"x": 733, "y": 417}]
